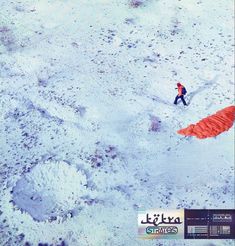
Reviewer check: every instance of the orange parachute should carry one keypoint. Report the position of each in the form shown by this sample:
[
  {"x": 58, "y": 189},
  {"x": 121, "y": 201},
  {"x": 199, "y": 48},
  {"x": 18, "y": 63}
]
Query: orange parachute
[{"x": 212, "y": 125}]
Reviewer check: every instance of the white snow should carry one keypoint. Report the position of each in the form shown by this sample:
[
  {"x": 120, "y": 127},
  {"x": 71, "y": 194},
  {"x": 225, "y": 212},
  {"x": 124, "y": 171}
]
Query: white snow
[
  {"x": 88, "y": 123},
  {"x": 49, "y": 190}
]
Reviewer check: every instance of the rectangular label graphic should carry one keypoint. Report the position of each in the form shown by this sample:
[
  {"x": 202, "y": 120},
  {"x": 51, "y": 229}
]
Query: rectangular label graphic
[
  {"x": 186, "y": 224},
  {"x": 161, "y": 224},
  {"x": 209, "y": 224}
]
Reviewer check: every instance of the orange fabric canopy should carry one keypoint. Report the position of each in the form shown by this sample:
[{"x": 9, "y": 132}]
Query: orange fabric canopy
[{"x": 212, "y": 125}]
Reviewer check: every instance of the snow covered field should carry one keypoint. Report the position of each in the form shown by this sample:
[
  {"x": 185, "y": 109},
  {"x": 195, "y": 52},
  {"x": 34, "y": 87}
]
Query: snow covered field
[{"x": 87, "y": 121}]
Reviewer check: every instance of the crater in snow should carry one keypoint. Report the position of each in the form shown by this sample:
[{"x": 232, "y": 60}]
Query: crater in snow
[{"x": 50, "y": 189}]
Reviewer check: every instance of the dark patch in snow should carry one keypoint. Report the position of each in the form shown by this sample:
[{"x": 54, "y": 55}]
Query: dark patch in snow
[
  {"x": 155, "y": 124},
  {"x": 7, "y": 38},
  {"x": 137, "y": 3}
]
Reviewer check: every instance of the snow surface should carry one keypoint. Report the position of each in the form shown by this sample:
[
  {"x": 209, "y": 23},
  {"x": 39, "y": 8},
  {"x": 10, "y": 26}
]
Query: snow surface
[
  {"x": 49, "y": 190},
  {"x": 86, "y": 92}
]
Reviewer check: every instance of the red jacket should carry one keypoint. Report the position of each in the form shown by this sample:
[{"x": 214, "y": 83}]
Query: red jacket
[{"x": 180, "y": 88}]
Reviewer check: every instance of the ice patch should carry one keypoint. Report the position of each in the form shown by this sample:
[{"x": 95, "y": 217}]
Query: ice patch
[{"x": 49, "y": 190}]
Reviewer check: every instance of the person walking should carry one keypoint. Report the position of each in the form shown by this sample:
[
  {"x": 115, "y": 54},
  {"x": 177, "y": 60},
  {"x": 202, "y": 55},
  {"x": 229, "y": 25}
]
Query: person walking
[{"x": 181, "y": 92}]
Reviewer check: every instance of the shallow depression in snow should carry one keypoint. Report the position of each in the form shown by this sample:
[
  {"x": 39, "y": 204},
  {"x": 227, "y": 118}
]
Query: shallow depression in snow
[{"x": 50, "y": 189}]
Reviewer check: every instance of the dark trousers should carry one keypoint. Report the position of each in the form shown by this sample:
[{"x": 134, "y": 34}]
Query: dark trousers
[{"x": 181, "y": 97}]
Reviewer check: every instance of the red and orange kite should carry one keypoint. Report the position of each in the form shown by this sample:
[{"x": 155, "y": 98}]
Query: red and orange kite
[{"x": 212, "y": 125}]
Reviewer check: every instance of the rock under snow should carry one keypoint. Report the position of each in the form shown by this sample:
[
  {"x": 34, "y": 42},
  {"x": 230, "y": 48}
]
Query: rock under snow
[{"x": 50, "y": 189}]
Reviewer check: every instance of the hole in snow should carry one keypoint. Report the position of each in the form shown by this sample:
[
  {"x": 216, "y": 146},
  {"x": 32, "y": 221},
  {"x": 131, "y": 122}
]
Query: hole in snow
[{"x": 50, "y": 189}]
